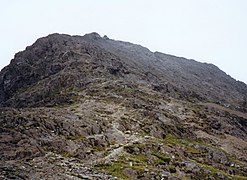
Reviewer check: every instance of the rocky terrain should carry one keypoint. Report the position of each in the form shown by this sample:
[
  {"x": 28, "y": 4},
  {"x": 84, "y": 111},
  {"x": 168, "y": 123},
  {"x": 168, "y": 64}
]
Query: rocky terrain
[{"x": 89, "y": 107}]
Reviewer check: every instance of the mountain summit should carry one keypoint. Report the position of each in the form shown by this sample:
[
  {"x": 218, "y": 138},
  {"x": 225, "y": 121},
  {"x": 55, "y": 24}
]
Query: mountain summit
[
  {"x": 46, "y": 67},
  {"x": 91, "y": 107}
]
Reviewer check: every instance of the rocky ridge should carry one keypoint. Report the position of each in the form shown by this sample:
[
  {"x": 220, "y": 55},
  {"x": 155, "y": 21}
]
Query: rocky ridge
[{"x": 88, "y": 107}]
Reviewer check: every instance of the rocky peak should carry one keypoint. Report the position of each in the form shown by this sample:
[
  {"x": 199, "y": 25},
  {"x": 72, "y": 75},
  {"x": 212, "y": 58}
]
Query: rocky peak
[
  {"x": 94, "y": 108},
  {"x": 93, "y": 36},
  {"x": 57, "y": 54}
]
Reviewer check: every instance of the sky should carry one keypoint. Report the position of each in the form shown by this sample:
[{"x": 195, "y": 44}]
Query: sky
[{"x": 212, "y": 31}]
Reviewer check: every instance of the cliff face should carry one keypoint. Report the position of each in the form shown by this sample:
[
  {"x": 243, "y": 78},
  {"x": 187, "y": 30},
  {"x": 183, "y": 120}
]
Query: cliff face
[
  {"x": 91, "y": 107},
  {"x": 57, "y": 62}
]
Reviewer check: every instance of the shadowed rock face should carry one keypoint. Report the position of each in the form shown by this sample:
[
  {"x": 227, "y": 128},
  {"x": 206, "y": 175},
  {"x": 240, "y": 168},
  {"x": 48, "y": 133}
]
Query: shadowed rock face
[
  {"x": 58, "y": 62},
  {"x": 92, "y": 107}
]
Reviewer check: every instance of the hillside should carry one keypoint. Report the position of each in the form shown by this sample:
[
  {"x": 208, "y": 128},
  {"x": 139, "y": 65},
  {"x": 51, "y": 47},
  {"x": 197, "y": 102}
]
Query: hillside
[{"x": 75, "y": 107}]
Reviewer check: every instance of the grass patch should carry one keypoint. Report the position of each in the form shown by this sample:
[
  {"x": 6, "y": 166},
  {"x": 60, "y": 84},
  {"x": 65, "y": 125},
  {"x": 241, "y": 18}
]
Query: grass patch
[
  {"x": 115, "y": 169},
  {"x": 163, "y": 159},
  {"x": 135, "y": 162},
  {"x": 131, "y": 148},
  {"x": 237, "y": 177},
  {"x": 136, "y": 159}
]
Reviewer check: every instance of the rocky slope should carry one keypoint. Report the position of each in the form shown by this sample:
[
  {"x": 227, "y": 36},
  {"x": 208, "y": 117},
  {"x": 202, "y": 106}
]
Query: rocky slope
[{"x": 88, "y": 107}]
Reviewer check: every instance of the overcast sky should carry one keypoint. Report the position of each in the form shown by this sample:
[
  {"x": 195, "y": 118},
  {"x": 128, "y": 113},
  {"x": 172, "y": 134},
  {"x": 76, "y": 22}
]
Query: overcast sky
[{"x": 213, "y": 31}]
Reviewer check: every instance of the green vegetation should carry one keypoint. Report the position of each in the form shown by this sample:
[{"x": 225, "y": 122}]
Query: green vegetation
[
  {"x": 98, "y": 149},
  {"x": 136, "y": 162},
  {"x": 172, "y": 169},
  {"x": 115, "y": 169},
  {"x": 172, "y": 140},
  {"x": 237, "y": 177},
  {"x": 163, "y": 159}
]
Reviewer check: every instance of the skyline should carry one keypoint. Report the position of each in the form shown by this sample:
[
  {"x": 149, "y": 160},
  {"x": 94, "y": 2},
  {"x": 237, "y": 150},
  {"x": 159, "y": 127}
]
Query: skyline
[{"x": 209, "y": 31}]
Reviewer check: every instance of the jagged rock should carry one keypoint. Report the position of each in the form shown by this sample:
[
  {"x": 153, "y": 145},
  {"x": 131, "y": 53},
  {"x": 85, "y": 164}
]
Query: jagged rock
[{"x": 95, "y": 108}]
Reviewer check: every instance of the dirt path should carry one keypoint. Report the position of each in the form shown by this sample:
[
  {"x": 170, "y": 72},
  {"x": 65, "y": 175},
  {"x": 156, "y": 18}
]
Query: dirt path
[{"x": 118, "y": 151}]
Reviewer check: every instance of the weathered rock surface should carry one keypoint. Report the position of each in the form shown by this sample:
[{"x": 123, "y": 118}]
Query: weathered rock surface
[
  {"x": 46, "y": 72},
  {"x": 87, "y": 107}
]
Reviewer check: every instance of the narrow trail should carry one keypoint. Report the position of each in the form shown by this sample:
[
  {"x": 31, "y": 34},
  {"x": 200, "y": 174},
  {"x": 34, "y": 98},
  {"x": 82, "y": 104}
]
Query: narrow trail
[
  {"x": 129, "y": 139},
  {"x": 120, "y": 150}
]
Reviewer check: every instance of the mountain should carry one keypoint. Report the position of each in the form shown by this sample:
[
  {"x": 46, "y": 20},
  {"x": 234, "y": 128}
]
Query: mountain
[{"x": 74, "y": 107}]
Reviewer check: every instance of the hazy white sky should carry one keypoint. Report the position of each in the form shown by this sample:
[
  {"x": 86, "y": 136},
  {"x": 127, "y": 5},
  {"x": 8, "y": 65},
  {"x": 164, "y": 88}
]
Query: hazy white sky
[{"x": 213, "y": 31}]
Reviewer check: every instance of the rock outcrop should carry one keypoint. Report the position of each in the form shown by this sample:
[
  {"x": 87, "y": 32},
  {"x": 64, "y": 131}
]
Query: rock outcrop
[{"x": 89, "y": 107}]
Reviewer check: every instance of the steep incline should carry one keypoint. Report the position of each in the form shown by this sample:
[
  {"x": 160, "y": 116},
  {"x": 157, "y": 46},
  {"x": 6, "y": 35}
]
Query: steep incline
[
  {"x": 189, "y": 76},
  {"x": 88, "y": 107},
  {"x": 37, "y": 73}
]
